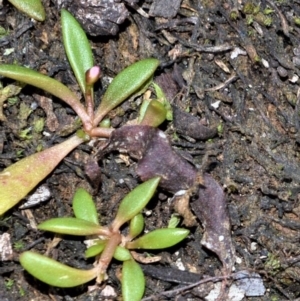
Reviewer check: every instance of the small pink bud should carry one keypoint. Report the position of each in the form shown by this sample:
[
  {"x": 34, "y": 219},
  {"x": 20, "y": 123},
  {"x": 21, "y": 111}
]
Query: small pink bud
[{"x": 92, "y": 75}]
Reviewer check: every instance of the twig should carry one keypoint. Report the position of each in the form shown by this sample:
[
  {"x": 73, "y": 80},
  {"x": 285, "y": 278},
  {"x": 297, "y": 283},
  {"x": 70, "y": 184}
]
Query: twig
[{"x": 181, "y": 289}]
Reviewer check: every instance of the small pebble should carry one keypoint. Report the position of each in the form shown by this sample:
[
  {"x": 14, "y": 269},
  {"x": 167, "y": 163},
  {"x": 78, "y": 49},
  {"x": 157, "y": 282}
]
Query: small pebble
[
  {"x": 282, "y": 71},
  {"x": 265, "y": 63},
  {"x": 42, "y": 194},
  {"x": 296, "y": 51},
  {"x": 296, "y": 61}
]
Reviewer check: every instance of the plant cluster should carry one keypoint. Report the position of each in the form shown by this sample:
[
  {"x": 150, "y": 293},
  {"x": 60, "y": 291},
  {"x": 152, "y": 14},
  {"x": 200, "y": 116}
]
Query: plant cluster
[
  {"x": 17, "y": 180},
  {"x": 108, "y": 242},
  {"x": 157, "y": 163},
  {"x": 255, "y": 13}
]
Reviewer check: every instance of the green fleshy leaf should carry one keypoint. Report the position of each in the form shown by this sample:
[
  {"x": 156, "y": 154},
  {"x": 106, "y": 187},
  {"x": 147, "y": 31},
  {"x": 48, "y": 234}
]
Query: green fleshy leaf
[
  {"x": 53, "y": 272},
  {"x": 71, "y": 226},
  {"x": 84, "y": 206},
  {"x": 17, "y": 180},
  {"x": 126, "y": 83},
  {"x": 133, "y": 281},
  {"x": 122, "y": 254},
  {"x": 95, "y": 249},
  {"x": 159, "y": 239},
  {"x": 77, "y": 47},
  {"x": 154, "y": 115},
  {"x": 33, "y": 8},
  {"x": 174, "y": 221},
  {"x": 161, "y": 97},
  {"x": 136, "y": 225},
  {"x": 46, "y": 83},
  {"x": 135, "y": 201}
]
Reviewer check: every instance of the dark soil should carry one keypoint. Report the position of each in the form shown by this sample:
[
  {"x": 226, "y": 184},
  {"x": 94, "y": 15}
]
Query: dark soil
[{"x": 237, "y": 72}]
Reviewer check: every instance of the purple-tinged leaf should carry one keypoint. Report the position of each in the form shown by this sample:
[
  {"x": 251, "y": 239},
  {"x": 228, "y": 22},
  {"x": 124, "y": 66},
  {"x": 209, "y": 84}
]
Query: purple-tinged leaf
[
  {"x": 17, "y": 180},
  {"x": 155, "y": 156},
  {"x": 53, "y": 272},
  {"x": 211, "y": 209},
  {"x": 93, "y": 172},
  {"x": 190, "y": 125}
]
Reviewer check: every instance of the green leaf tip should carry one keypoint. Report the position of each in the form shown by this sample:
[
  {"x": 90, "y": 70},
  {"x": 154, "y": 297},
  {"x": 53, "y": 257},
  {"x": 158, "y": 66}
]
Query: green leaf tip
[
  {"x": 53, "y": 272},
  {"x": 84, "y": 206},
  {"x": 33, "y": 8},
  {"x": 136, "y": 226},
  {"x": 77, "y": 47},
  {"x": 135, "y": 201},
  {"x": 133, "y": 281},
  {"x": 95, "y": 250},
  {"x": 122, "y": 254},
  {"x": 159, "y": 239},
  {"x": 71, "y": 226}
]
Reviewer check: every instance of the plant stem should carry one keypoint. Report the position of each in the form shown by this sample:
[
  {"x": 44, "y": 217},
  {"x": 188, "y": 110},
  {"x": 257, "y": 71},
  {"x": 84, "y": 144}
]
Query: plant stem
[
  {"x": 107, "y": 254},
  {"x": 89, "y": 101},
  {"x": 100, "y": 132}
]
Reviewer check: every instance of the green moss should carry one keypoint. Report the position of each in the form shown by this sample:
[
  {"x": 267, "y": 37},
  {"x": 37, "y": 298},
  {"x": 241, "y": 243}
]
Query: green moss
[
  {"x": 25, "y": 134},
  {"x": 234, "y": 14},
  {"x": 248, "y": 8},
  {"x": 38, "y": 125},
  {"x": 297, "y": 21},
  {"x": 272, "y": 265}
]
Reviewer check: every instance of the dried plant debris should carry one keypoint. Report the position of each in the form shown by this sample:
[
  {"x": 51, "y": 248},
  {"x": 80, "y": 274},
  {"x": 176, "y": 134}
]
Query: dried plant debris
[
  {"x": 5, "y": 94},
  {"x": 6, "y": 251},
  {"x": 170, "y": 274},
  {"x": 155, "y": 156},
  {"x": 99, "y": 17},
  {"x": 93, "y": 172},
  {"x": 40, "y": 195},
  {"x": 190, "y": 125},
  {"x": 181, "y": 204},
  {"x": 169, "y": 83},
  {"x": 211, "y": 209}
]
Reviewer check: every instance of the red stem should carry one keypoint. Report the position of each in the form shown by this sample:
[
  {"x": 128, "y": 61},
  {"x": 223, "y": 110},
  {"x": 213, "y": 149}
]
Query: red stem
[
  {"x": 100, "y": 132},
  {"x": 108, "y": 253}
]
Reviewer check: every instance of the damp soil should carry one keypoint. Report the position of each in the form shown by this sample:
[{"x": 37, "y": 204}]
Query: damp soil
[{"x": 231, "y": 67}]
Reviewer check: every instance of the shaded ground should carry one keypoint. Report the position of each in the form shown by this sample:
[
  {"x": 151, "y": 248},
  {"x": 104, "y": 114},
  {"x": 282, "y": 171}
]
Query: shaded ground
[{"x": 234, "y": 65}]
